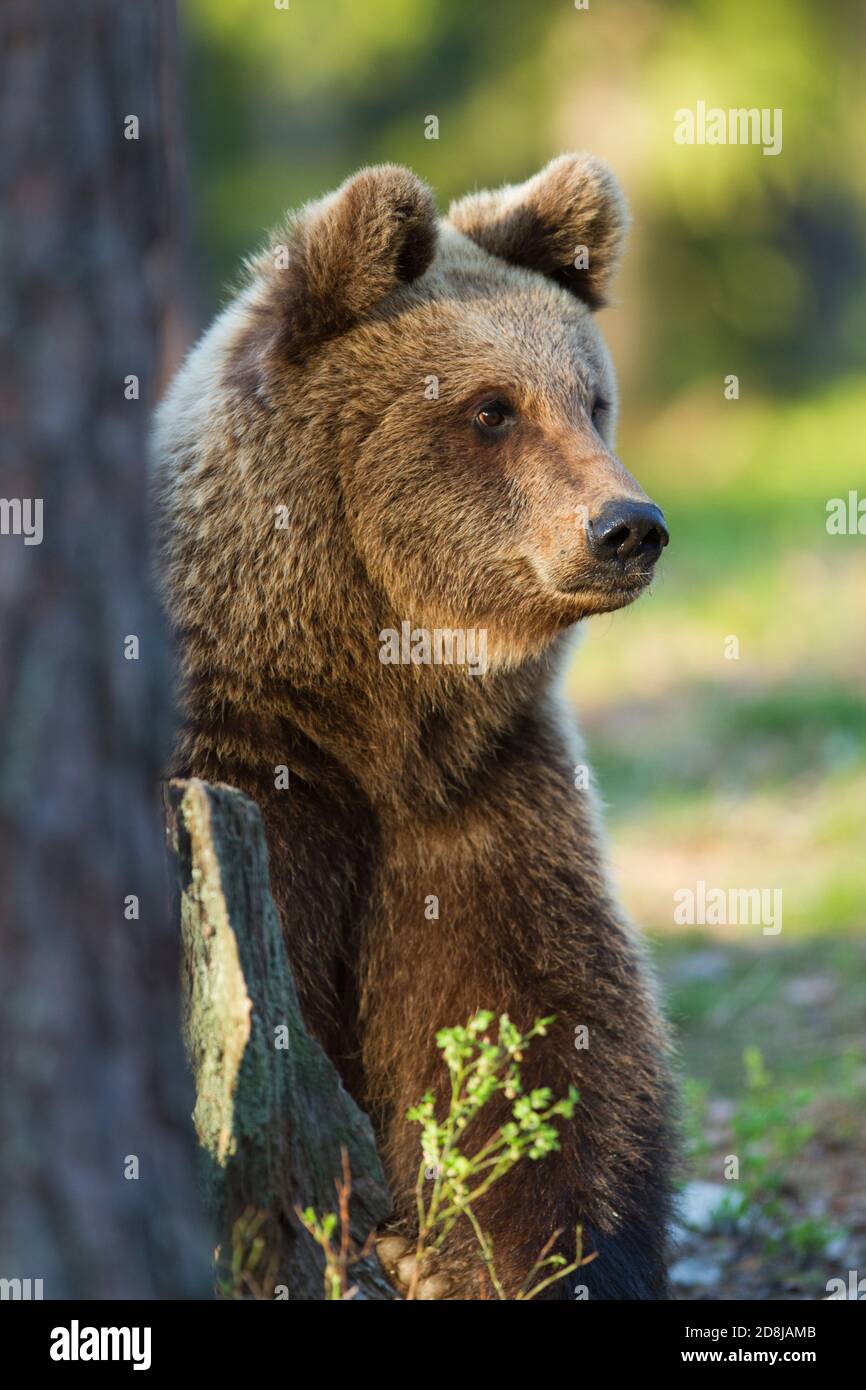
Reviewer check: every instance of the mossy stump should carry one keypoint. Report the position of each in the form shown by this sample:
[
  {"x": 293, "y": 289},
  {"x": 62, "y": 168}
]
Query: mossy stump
[{"x": 271, "y": 1114}]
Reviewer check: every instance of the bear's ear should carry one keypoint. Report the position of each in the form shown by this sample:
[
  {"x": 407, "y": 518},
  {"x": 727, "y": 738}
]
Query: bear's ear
[
  {"x": 568, "y": 222},
  {"x": 338, "y": 257}
]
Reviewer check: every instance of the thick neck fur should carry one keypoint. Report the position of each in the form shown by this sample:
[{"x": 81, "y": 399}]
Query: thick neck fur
[{"x": 418, "y": 741}]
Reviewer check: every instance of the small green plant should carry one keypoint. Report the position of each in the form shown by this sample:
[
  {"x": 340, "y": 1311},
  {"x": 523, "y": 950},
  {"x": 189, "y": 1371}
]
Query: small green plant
[
  {"x": 810, "y": 1237},
  {"x": 341, "y": 1256},
  {"x": 248, "y": 1272},
  {"x": 771, "y": 1127},
  {"x": 479, "y": 1068}
]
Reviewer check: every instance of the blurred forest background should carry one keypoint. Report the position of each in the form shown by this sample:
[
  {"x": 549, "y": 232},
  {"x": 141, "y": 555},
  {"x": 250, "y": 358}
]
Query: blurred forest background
[{"x": 747, "y": 772}]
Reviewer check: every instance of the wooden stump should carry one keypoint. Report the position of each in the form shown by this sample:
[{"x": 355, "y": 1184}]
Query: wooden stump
[{"x": 271, "y": 1114}]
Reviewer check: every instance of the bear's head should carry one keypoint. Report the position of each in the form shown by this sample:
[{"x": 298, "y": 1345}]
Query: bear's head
[{"x": 402, "y": 418}]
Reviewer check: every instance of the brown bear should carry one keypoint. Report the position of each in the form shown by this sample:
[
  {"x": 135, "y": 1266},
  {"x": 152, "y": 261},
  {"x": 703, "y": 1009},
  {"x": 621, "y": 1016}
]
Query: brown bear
[{"x": 386, "y": 491}]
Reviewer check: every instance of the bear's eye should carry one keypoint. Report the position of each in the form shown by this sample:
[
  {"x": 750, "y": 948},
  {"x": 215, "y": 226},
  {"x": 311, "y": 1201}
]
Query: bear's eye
[
  {"x": 599, "y": 408},
  {"x": 493, "y": 417}
]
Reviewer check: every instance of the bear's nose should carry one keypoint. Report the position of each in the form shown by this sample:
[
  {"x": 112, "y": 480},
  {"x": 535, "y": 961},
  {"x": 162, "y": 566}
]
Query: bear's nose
[{"x": 626, "y": 530}]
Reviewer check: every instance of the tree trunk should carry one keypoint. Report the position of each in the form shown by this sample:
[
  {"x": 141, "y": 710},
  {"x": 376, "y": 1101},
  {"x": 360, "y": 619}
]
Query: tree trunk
[
  {"x": 271, "y": 1112},
  {"x": 97, "y": 1181}
]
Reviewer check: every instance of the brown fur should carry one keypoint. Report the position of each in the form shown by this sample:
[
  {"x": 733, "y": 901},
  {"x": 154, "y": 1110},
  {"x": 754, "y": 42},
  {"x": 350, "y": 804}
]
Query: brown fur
[{"x": 412, "y": 780}]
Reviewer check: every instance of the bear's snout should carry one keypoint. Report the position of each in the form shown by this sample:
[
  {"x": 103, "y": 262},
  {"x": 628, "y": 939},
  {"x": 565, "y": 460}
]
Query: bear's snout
[{"x": 628, "y": 530}]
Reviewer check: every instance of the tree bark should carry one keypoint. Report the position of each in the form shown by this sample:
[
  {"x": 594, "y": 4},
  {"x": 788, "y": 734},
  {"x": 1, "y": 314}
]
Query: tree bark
[
  {"x": 97, "y": 1168},
  {"x": 271, "y": 1113}
]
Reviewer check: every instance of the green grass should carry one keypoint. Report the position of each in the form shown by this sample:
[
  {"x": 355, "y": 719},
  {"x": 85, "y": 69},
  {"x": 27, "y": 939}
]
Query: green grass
[{"x": 722, "y": 998}]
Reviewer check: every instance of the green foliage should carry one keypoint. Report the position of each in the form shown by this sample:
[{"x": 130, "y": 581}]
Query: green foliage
[
  {"x": 771, "y": 1127},
  {"x": 248, "y": 1271},
  {"x": 480, "y": 1067},
  {"x": 751, "y": 261},
  {"x": 333, "y": 1237},
  {"x": 322, "y": 1229}
]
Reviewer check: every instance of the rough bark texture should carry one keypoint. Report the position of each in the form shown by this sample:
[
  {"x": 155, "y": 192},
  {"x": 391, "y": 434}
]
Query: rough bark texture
[
  {"x": 271, "y": 1113},
  {"x": 92, "y": 1063}
]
